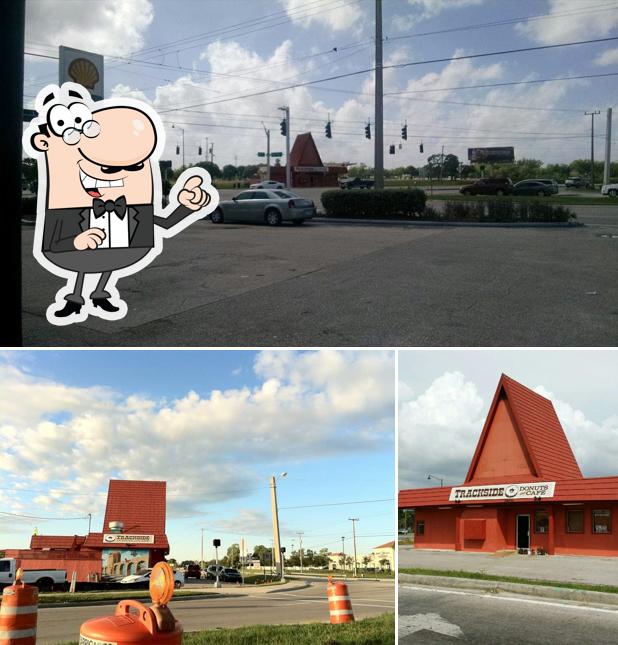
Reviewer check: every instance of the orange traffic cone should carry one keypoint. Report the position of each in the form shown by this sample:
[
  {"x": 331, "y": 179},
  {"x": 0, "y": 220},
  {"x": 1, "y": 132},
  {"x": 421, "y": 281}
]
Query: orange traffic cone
[
  {"x": 339, "y": 603},
  {"x": 18, "y": 613}
]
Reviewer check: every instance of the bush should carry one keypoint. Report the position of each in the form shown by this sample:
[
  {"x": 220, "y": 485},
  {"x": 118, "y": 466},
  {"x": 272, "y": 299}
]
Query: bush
[
  {"x": 506, "y": 210},
  {"x": 374, "y": 204}
]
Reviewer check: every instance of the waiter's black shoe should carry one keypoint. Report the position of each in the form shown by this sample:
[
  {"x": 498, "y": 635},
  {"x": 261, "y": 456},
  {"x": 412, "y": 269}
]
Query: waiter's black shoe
[
  {"x": 69, "y": 308},
  {"x": 105, "y": 304}
]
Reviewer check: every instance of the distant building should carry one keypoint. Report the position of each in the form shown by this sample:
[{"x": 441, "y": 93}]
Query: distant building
[
  {"x": 133, "y": 537},
  {"x": 524, "y": 489},
  {"x": 307, "y": 168},
  {"x": 384, "y": 552}
]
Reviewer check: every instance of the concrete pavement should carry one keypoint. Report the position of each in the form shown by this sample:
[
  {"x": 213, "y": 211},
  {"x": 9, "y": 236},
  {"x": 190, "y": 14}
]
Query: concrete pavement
[
  {"x": 286, "y": 607},
  {"x": 437, "y": 615},
  {"x": 351, "y": 285},
  {"x": 563, "y": 568}
]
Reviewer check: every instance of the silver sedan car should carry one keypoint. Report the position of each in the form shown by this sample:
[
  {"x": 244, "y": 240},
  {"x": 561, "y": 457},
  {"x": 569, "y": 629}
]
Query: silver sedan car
[{"x": 264, "y": 206}]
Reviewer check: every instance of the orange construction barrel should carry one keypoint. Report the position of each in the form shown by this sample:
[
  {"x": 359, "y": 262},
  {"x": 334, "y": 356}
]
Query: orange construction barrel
[
  {"x": 18, "y": 613},
  {"x": 339, "y": 603},
  {"x": 154, "y": 624}
]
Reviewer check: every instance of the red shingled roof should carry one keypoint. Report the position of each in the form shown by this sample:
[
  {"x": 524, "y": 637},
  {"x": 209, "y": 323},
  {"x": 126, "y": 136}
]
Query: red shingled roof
[
  {"x": 542, "y": 435},
  {"x": 304, "y": 151},
  {"x": 56, "y": 541},
  {"x": 139, "y": 504}
]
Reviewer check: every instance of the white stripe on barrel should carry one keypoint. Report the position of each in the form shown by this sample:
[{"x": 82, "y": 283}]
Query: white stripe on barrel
[
  {"x": 333, "y": 598},
  {"x": 340, "y": 612},
  {"x": 13, "y": 611},
  {"x": 18, "y": 633}
]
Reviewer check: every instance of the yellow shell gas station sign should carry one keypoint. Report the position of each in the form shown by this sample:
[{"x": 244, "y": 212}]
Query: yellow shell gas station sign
[{"x": 85, "y": 68}]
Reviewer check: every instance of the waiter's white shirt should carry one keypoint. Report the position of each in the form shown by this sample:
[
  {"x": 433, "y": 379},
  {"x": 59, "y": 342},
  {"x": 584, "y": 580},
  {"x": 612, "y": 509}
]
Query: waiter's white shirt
[{"x": 116, "y": 229}]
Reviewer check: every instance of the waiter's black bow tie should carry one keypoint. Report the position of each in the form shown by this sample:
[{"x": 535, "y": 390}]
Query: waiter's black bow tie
[{"x": 119, "y": 207}]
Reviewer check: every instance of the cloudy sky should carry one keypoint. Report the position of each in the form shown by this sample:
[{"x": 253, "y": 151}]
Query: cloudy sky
[
  {"x": 195, "y": 60},
  {"x": 215, "y": 425},
  {"x": 444, "y": 397}
]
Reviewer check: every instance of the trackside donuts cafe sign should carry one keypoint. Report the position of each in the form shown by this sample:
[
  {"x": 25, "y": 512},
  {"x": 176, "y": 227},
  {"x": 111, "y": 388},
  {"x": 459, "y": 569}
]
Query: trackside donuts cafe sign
[{"x": 490, "y": 492}]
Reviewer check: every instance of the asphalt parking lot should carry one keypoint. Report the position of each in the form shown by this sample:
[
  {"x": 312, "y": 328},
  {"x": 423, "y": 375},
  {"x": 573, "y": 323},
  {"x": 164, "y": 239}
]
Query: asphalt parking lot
[
  {"x": 448, "y": 616},
  {"x": 350, "y": 284}
]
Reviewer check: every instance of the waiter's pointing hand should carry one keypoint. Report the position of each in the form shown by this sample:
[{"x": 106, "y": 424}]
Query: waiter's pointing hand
[
  {"x": 89, "y": 239},
  {"x": 192, "y": 195}
]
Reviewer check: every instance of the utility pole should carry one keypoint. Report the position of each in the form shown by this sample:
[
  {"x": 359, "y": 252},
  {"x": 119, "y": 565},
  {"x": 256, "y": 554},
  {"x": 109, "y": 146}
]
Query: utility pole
[
  {"x": 592, "y": 145},
  {"x": 212, "y": 153},
  {"x": 300, "y": 549},
  {"x": 202, "y": 550},
  {"x": 378, "y": 171},
  {"x": 608, "y": 146},
  {"x": 343, "y": 550},
  {"x": 354, "y": 520},
  {"x": 89, "y": 521},
  {"x": 441, "y": 163},
  {"x": 267, "y": 151},
  {"x": 275, "y": 514},
  {"x": 288, "y": 169}
]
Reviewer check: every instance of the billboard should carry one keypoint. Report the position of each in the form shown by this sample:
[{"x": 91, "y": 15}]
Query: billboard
[
  {"x": 85, "y": 68},
  {"x": 491, "y": 155},
  {"x": 488, "y": 492}
]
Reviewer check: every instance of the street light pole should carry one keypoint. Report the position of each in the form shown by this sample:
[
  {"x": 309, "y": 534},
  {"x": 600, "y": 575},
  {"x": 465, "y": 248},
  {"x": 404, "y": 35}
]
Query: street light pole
[
  {"x": 202, "y": 550},
  {"x": 591, "y": 114},
  {"x": 354, "y": 520},
  {"x": 267, "y": 151},
  {"x": 343, "y": 551},
  {"x": 300, "y": 549},
  {"x": 275, "y": 514},
  {"x": 378, "y": 171},
  {"x": 439, "y": 479}
]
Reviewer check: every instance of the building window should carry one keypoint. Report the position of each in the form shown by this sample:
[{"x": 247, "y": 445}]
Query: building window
[
  {"x": 575, "y": 521},
  {"x": 601, "y": 521},
  {"x": 420, "y": 528},
  {"x": 541, "y": 522}
]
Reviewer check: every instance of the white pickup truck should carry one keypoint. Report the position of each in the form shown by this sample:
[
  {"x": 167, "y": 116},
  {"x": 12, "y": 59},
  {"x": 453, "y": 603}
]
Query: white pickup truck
[{"x": 44, "y": 579}]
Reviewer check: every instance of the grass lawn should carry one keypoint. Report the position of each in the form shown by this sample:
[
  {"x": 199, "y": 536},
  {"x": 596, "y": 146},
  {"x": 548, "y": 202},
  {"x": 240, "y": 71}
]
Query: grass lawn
[
  {"x": 554, "y": 199},
  {"x": 338, "y": 573},
  {"x": 94, "y": 596},
  {"x": 472, "y": 575},
  {"x": 370, "y": 631}
]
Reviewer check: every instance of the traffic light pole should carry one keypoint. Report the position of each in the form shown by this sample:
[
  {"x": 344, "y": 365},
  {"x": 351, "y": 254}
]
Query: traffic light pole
[
  {"x": 591, "y": 114},
  {"x": 378, "y": 172},
  {"x": 267, "y": 151}
]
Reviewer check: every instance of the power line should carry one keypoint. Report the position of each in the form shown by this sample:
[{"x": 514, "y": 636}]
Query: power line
[
  {"x": 485, "y": 85},
  {"x": 363, "y": 501},
  {"x": 395, "y": 66},
  {"x": 35, "y": 517}
]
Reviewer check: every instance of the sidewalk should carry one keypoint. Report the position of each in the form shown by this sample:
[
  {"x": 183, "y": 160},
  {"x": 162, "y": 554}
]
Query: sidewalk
[{"x": 563, "y": 568}]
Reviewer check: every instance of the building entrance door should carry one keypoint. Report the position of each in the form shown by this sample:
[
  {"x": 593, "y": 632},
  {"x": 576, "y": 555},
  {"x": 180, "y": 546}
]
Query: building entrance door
[{"x": 523, "y": 531}]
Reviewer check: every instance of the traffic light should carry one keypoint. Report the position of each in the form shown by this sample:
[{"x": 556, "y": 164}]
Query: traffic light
[
  {"x": 216, "y": 542},
  {"x": 404, "y": 132},
  {"x": 177, "y": 150},
  {"x": 420, "y": 148},
  {"x": 368, "y": 131},
  {"x": 199, "y": 151},
  {"x": 284, "y": 127},
  {"x": 327, "y": 131},
  {"x": 391, "y": 150}
]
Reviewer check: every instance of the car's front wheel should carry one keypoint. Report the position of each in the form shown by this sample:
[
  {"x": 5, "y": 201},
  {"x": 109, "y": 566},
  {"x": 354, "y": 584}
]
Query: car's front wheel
[
  {"x": 613, "y": 192},
  {"x": 216, "y": 217},
  {"x": 272, "y": 217},
  {"x": 177, "y": 584}
]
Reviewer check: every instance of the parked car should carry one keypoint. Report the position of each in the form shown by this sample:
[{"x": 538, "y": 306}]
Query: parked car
[
  {"x": 44, "y": 579},
  {"x": 552, "y": 183},
  {"x": 193, "y": 571},
  {"x": 488, "y": 186},
  {"x": 356, "y": 182},
  {"x": 532, "y": 187},
  {"x": 141, "y": 580},
  {"x": 610, "y": 189},
  {"x": 264, "y": 206},
  {"x": 575, "y": 182},
  {"x": 269, "y": 184},
  {"x": 230, "y": 575}
]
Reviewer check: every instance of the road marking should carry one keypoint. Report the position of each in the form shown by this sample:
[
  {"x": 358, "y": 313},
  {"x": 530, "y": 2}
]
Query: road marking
[
  {"x": 430, "y": 622},
  {"x": 529, "y": 601}
]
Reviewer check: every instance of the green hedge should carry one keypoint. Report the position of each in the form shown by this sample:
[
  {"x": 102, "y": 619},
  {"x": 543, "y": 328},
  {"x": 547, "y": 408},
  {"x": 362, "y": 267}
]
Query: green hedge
[
  {"x": 506, "y": 210},
  {"x": 375, "y": 204}
]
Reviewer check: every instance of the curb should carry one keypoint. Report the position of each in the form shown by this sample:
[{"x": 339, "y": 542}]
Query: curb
[
  {"x": 405, "y": 222},
  {"x": 541, "y": 591},
  {"x": 145, "y": 599}
]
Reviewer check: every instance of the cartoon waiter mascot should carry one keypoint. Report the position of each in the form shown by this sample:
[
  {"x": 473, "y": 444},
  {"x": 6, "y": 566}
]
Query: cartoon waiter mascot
[{"x": 99, "y": 196}]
